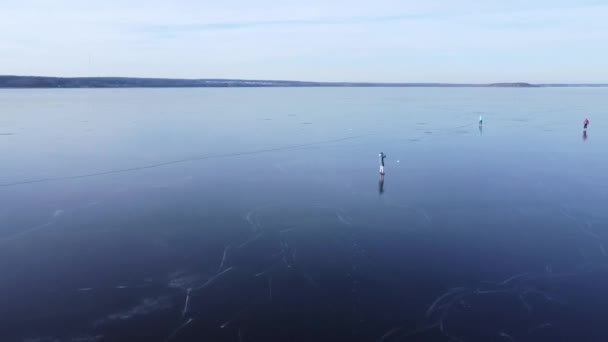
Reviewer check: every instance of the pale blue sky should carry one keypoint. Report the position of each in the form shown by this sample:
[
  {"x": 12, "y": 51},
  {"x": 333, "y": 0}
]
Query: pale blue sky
[{"x": 382, "y": 40}]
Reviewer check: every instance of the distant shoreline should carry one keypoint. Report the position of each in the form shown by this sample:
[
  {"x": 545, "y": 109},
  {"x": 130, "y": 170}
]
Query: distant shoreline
[{"x": 33, "y": 82}]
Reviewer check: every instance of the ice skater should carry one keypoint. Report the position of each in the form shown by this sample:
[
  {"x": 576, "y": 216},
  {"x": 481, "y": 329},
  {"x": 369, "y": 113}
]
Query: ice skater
[
  {"x": 480, "y": 120},
  {"x": 382, "y": 156},
  {"x": 585, "y": 123}
]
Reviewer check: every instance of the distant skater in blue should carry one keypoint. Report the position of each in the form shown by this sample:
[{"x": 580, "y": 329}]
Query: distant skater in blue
[
  {"x": 480, "y": 120},
  {"x": 382, "y": 156}
]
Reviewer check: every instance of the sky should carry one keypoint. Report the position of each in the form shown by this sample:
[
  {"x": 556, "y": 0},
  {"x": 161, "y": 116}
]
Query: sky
[{"x": 459, "y": 41}]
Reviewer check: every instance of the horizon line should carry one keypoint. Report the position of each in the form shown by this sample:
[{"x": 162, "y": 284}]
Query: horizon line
[{"x": 296, "y": 82}]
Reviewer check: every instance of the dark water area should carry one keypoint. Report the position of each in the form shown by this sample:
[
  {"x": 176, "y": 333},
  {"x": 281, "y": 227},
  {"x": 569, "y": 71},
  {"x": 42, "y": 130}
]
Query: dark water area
[{"x": 259, "y": 215}]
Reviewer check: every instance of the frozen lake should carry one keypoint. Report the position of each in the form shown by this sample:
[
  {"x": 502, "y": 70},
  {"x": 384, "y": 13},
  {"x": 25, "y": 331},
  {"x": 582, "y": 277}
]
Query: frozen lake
[{"x": 258, "y": 214}]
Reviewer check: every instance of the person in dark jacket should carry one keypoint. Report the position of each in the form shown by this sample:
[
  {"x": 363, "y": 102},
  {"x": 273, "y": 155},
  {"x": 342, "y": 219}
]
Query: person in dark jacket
[{"x": 382, "y": 156}]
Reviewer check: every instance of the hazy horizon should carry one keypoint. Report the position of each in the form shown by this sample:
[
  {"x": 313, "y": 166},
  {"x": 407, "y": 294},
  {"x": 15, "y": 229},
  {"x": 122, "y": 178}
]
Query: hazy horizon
[
  {"x": 311, "y": 80},
  {"x": 388, "y": 41}
]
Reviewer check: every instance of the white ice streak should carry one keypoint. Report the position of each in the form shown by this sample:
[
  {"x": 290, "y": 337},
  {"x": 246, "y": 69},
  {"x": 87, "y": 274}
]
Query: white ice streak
[
  {"x": 176, "y": 331},
  {"x": 345, "y": 220},
  {"x": 147, "y": 306},
  {"x": 54, "y": 216},
  {"x": 214, "y": 278},
  {"x": 506, "y": 336},
  {"x": 183, "y": 282},
  {"x": 185, "y": 310},
  {"x": 439, "y": 299},
  {"x": 224, "y": 257},
  {"x": 515, "y": 277},
  {"x": 539, "y": 327}
]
